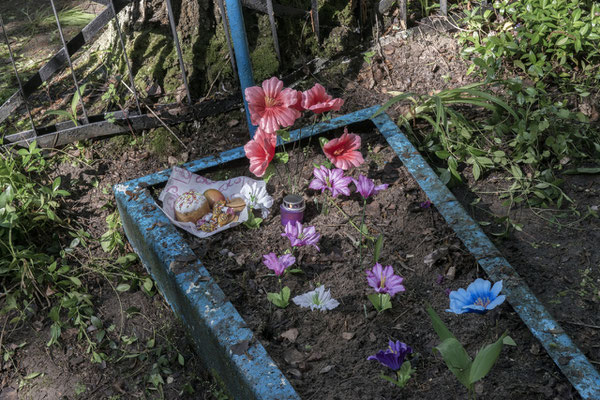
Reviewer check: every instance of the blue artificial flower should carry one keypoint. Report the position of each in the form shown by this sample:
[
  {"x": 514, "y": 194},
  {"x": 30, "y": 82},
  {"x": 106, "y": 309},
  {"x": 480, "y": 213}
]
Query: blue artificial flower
[
  {"x": 393, "y": 357},
  {"x": 479, "y": 297}
]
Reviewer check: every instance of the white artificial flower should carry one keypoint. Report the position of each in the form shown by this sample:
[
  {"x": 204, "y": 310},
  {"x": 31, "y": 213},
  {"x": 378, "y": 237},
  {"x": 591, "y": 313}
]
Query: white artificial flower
[
  {"x": 256, "y": 197},
  {"x": 317, "y": 299}
]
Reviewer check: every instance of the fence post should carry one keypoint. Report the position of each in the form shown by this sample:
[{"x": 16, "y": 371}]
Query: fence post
[
  {"x": 242, "y": 54},
  {"x": 178, "y": 48},
  {"x": 131, "y": 80},
  {"x": 62, "y": 39},
  {"x": 12, "y": 60}
]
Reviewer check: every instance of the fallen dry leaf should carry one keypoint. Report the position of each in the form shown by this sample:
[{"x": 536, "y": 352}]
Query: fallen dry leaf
[{"x": 290, "y": 334}]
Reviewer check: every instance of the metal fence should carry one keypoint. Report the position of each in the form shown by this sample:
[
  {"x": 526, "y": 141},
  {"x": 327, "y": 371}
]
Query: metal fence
[{"x": 144, "y": 116}]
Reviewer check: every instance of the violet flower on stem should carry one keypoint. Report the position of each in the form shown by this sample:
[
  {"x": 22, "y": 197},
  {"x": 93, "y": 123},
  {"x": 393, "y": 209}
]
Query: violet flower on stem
[
  {"x": 332, "y": 180},
  {"x": 386, "y": 284},
  {"x": 300, "y": 235},
  {"x": 394, "y": 357},
  {"x": 278, "y": 264},
  {"x": 366, "y": 187}
]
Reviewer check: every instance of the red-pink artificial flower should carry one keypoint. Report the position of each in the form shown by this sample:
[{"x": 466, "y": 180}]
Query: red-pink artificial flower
[
  {"x": 298, "y": 105},
  {"x": 318, "y": 101},
  {"x": 271, "y": 106},
  {"x": 343, "y": 151},
  {"x": 260, "y": 151}
]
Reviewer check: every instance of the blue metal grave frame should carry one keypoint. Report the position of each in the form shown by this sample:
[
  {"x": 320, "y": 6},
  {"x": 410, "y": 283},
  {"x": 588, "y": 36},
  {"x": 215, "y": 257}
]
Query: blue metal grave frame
[{"x": 215, "y": 325}]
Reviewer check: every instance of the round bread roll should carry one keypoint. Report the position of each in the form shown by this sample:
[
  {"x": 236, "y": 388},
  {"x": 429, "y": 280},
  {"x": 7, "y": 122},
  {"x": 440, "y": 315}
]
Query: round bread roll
[
  {"x": 191, "y": 206},
  {"x": 213, "y": 196}
]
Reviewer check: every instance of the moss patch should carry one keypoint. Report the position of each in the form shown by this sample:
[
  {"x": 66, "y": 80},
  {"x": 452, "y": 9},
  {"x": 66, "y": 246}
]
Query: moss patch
[{"x": 162, "y": 143}]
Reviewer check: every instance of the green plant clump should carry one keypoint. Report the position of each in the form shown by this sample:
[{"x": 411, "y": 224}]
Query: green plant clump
[{"x": 539, "y": 59}]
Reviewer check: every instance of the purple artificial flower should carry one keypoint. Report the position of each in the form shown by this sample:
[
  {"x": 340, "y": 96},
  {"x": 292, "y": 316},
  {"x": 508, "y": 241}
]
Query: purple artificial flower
[
  {"x": 426, "y": 204},
  {"x": 383, "y": 280},
  {"x": 302, "y": 236},
  {"x": 332, "y": 180},
  {"x": 393, "y": 357},
  {"x": 366, "y": 187},
  {"x": 278, "y": 264}
]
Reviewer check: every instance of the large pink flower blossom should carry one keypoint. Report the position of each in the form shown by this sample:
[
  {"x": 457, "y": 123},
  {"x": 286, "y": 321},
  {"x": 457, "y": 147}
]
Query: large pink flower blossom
[
  {"x": 298, "y": 105},
  {"x": 260, "y": 151},
  {"x": 318, "y": 101},
  {"x": 271, "y": 106},
  {"x": 343, "y": 151}
]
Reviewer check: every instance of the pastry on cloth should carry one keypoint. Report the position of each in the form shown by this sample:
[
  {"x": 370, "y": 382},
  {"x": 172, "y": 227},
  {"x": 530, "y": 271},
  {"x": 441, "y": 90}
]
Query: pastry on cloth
[{"x": 191, "y": 206}]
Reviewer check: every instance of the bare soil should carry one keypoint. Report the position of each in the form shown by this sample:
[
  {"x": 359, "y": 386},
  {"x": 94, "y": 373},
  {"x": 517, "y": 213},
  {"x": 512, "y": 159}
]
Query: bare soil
[{"x": 328, "y": 358}]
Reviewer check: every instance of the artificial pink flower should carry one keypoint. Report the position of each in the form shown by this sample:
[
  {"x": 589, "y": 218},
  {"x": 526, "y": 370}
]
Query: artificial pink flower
[
  {"x": 343, "y": 151},
  {"x": 298, "y": 105},
  {"x": 260, "y": 151},
  {"x": 270, "y": 106},
  {"x": 318, "y": 101}
]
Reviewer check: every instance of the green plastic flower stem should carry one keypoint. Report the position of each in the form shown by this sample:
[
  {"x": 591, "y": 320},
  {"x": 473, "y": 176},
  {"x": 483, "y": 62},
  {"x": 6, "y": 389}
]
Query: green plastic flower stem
[
  {"x": 287, "y": 169},
  {"x": 312, "y": 129},
  {"x": 349, "y": 219},
  {"x": 362, "y": 223}
]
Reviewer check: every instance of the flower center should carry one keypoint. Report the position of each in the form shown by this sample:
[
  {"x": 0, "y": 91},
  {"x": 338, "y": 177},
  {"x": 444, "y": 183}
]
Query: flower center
[
  {"x": 482, "y": 302},
  {"x": 382, "y": 282},
  {"x": 338, "y": 152},
  {"x": 271, "y": 102},
  {"x": 316, "y": 300}
]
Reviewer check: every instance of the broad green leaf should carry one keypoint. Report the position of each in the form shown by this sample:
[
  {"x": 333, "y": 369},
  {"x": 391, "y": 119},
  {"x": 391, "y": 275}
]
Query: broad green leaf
[
  {"x": 476, "y": 171},
  {"x": 123, "y": 287},
  {"x": 285, "y": 293},
  {"x": 75, "y": 280},
  {"x": 148, "y": 284},
  {"x": 381, "y": 302},
  {"x": 323, "y": 141},
  {"x": 282, "y": 157},
  {"x": 32, "y": 375},
  {"x": 269, "y": 173},
  {"x": 440, "y": 328},
  {"x": 284, "y": 134},
  {"x": 96, "y": 322},
  {"x": 456, "y": 358},
  {"x": 562, "y": 41},
  {"x": 508, "y": 341},
  {"x": 377, "y": 248},
  {"x": 485, "y": 360}
]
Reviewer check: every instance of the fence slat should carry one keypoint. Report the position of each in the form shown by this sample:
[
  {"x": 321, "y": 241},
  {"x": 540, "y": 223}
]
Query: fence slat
[{"x": 57, "y": 62}]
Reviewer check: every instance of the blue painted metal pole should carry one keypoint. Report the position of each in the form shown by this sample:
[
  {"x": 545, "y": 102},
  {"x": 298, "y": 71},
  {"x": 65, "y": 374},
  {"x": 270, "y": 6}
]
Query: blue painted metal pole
[{"x": 242, "y": 54}]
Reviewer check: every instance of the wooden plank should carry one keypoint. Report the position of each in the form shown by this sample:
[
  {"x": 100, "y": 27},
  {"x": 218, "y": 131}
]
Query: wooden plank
[{"x": 65, "y": 132}]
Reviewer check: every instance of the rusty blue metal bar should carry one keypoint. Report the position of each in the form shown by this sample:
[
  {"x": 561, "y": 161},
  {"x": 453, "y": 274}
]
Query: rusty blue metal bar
[
  {"x": 574, "y": 365},
  {"x": 571, "y": 361},
  {"x": 227, "y": 35},
  {"x": 242, "y": 54}
]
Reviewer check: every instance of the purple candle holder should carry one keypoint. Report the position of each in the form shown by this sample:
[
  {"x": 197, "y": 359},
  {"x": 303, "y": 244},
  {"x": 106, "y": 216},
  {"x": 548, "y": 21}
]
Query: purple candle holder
[{"x": 292, "y": 209}]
